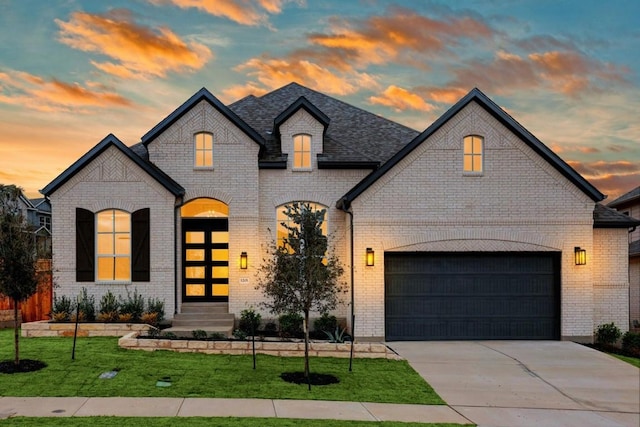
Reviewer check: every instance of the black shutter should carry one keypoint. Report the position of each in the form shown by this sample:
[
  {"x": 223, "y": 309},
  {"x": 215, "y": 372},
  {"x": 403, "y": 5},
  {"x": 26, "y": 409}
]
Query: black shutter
[
  {"x": 85, "y": 246},
  {"x": 140, "y": 246}
]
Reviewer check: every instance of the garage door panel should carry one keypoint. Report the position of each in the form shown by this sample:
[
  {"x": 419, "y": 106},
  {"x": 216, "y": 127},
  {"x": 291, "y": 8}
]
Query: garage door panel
[{"x": 481, "y": 296}]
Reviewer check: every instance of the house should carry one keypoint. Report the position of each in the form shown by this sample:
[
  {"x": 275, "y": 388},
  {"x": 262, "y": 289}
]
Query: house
[
  {"x": 37, "y": 213},
  {"x": 629, "y": 204},
  {"x": 471, "y": 229}
]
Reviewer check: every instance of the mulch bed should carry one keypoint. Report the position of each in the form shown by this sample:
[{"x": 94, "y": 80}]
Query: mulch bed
[
  {"x": 25, "y": 365},
  {"x": 316, "y": 379}
]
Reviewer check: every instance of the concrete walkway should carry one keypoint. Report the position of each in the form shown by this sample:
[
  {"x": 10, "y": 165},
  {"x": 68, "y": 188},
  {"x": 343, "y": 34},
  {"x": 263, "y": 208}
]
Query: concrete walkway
[
  {"x": 529, "y": 383},
  {"x": 202, "y": 407}
]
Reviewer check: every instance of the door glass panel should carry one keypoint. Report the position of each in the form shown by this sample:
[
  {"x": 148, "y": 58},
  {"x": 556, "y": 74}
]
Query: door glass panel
[
  {"x": 196, "y": 290},
  {"x": 220, "y": 255},
  {"x": 220, "y": 237},
  {"x": 194, "y": 237},
  {"x": 220, "y": 290},
  {"x": 220, "y": 272},
  {"x": 195, "y": 254},
  {"x": 194, "y": 272}
]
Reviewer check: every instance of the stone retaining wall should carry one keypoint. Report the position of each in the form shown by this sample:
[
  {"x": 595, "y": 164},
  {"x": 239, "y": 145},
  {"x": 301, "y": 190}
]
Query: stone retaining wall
[
  {"x": 6, "y": 318},
  {"x": 273, "y": 348},
  {"x": 58, "y": 329}
]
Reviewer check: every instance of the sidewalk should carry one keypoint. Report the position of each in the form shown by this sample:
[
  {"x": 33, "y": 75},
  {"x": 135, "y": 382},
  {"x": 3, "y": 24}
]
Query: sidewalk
[{"x": 205, "y": 407}]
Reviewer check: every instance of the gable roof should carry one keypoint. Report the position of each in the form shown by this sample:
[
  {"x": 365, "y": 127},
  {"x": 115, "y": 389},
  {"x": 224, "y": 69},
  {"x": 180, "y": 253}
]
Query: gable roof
[
  {"x": 111, "y": 141},
  {"x": 353, "y": 137},
  {"x": 301, "y": 103},
  {"x": 626, "y": 198},
  {"x": 202, "y": 95},
  {"x": 505, "y": 119},
  {"x": 606, "y": 217}
]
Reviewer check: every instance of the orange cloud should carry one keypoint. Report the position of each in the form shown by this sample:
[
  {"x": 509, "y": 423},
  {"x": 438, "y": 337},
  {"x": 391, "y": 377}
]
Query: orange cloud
[
  {"x": 20, "y": 88},
  {"x": 401, "y": 99},
  {"x": 237, "y": 92},
  {"x": 612, "y": 178},
  {"x": 242, "y": 12},
  {"x": 138, "y": 51}
]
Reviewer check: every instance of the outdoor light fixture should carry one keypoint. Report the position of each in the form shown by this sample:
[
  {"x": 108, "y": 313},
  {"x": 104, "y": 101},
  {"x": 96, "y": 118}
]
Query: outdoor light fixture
[
  {"x": 581, "y": 255},
  {"x": 243, "y": 260},
  {"x": 370, "y": 257}
]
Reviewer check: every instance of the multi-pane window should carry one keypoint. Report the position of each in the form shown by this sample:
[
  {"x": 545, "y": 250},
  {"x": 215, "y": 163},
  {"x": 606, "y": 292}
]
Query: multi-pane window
[
  {"x": 203, "y": 150},
  {"x": 113, "y": 245},
  {"x": 473, "y": 152},
  {"x": 302, "y": 151},
  {"x": 284, "y": 219}
]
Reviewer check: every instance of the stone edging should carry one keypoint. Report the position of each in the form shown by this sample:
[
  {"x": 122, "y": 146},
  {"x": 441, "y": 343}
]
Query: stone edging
[
  {"x": 44, "y": 328},
  {"x": 273, "y": 348}
]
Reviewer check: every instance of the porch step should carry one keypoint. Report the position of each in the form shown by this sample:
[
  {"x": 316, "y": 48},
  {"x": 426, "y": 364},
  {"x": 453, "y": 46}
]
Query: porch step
[{"x": 208, "y": 317}]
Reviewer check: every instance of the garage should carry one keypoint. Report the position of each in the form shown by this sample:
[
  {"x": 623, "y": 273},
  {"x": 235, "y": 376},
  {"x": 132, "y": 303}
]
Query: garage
[{"x": 472, "y": 296}]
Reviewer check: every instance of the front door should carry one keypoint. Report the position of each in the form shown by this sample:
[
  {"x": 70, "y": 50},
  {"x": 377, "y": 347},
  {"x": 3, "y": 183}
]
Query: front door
[{"x": 205, "y": 259}]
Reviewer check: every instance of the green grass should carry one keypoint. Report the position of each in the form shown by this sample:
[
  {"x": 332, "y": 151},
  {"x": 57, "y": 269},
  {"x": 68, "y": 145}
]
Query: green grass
[
  {"x": 200, "y": 422},
  {"x": 199, "y": 375},
  {"x": 630, "y": 360}
]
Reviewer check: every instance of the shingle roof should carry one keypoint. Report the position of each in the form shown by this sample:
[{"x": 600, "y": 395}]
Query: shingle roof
[
  {"x": 505, "y": 119},
  {"x": 352, "y": 134},
  {"x": 626, "y": 198},
  {"x": 109, "y": 141},
  {"x": 606, "y": 217},
  {"x": 634, "y": 248}
]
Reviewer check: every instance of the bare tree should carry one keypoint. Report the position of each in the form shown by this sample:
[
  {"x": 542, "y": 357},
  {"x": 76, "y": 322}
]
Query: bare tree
[
  {"x": 302, "y": 274},
  {"x": 18, "y": 280}
]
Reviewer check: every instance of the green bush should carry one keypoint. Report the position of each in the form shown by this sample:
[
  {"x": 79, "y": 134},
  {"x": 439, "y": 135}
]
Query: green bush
[
  {"x": 249, "y": 321},
  {"x": 607, "y": 333},
  {"x": 132, "y": 306},
  {"x": 631, "y": 343},
  {"x": 239, "y": 334},
  {"x": 86, "y": 306},
  {"x": 155, "y": 305},
  {"x": 109, "y": 307},
  {"x": 290, "y": 324},
  {"x": 199, "y": 334},
  {"x": 61, "y": 309},
  {"x": 325, "y": 323}
]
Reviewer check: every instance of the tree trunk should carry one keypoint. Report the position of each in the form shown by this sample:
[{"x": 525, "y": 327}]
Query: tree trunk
[
  {"x": 16, "y": 335},
  {"x": 306, "y": 348}
]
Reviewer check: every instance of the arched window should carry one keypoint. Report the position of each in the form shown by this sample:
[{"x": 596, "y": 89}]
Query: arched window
[
  {"x": 204, "y": 208},
  {"x": 282, "y": 218},
  {"x": 473, "y": 154},
  {"x": 302, "y": 151},
  {"x": 113, "y": 245},
  {"x": 203, "y": 150}
]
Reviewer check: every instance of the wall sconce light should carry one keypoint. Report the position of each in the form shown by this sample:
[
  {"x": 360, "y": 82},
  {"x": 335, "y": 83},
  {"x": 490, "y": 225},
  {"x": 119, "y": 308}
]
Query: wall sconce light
[
  {"x": 370, "y": 257},
  {"x": 243, "y": 260},
  {"x": 581, "y": 255}
]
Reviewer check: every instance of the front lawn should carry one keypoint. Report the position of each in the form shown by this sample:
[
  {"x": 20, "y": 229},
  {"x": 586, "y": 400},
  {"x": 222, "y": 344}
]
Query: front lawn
[
  {"x": 200, "y": 422},
  {"x": 199, "y": 375},
  {"x": 630, "y": 360}
]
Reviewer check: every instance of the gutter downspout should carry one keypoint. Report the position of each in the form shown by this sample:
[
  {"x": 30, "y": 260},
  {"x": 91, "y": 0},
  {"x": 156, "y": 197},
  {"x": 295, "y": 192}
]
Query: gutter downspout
[{"x": 344, "y": 207}]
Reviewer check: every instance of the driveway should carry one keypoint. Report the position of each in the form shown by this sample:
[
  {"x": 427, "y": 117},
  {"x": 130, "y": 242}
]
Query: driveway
[{"x": 528, "y": 383}]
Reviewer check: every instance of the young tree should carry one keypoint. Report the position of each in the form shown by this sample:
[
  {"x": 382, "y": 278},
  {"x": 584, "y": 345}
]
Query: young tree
[
  {"x": 302, "y": 274},
  {"x": 18, "y": 279}
]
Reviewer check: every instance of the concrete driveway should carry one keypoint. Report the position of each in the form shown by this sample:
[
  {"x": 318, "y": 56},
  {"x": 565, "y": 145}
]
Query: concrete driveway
[{"x": 528, "y": 383}]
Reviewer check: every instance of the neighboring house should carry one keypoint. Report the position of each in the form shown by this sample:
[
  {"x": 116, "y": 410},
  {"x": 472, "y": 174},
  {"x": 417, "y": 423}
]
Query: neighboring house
[
  {"x": 472, "y": 229},
  {"x": 38, "y": 215},
  {"x": 629, "y": 204}
]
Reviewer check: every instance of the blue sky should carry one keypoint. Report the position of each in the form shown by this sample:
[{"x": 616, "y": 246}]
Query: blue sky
[{"x": 73, "y": 71}]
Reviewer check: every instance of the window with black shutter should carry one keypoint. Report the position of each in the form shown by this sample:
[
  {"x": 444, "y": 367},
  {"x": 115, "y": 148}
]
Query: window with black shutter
[{"x": 141, "y": 246}]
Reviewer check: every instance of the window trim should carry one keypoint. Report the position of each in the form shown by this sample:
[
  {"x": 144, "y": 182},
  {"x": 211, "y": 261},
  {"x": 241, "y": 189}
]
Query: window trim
[
  {"x": 206, "y": 151},
  {"x": 473, "y": 155},
  {"x": 303, "y": 152}
]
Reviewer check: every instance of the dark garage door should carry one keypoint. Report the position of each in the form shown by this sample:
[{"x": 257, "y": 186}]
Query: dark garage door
[{"x": 467, "y": 296}]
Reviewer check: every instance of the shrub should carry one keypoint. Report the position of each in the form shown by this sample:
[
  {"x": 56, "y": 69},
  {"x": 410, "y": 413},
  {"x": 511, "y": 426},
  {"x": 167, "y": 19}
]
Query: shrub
[
  {"x": 125, "y": 318},
  {"x": 325, "y": 323},
  {"x": 607, "y": 333},
  {"x": 631, "y": 343},
  {"x": 249, "y": 321},
  {"x": 155, "y": 305},
  {"x": 270, "y": 328},
  {"x": 168, "y": 335},
  {"x": 217, "y": 336},
  {"x": 133, "y": 305},
  {"x": 150, "y": 319},
  {"x": 61, "y": 309},
  {"x": 86, "y": 306},
  {"x": 290, "y": 324},
  {"x": 199, "y": 334},
  {"x": 239, "y": 334},
  {"x": 338, "y": 336},
  {"x": 109, "y": 308}
]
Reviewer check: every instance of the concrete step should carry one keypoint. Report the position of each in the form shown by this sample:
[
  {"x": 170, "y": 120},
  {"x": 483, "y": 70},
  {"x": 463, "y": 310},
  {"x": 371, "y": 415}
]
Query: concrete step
[
  {"x": 204, "y": 307},
  {"x": 187, "y": 332},
  {"x": 198, "y": 324},
  {"x": 205, "y": 316}
]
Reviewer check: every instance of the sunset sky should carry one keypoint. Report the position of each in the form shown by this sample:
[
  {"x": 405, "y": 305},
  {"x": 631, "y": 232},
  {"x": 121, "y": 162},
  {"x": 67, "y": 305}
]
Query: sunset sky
[{"x": 73, "y": 71}]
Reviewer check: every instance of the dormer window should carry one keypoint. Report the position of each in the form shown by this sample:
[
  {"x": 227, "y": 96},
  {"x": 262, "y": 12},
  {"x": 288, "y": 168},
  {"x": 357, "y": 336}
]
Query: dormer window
[
  {"x": 203, "y": 150},
  {"x": 302, "y": 152},
  {"x": 473, "y": 154}
]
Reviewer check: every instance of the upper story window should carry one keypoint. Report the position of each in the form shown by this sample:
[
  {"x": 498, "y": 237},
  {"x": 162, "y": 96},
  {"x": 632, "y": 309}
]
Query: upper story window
[
  {"x": 203, "y": 150},
  {"x": 302, "y": 151},
  {"x": 283, "y": 220},
  {"x": 473, "y": 154},
  {"x": 113, "y": 245}
]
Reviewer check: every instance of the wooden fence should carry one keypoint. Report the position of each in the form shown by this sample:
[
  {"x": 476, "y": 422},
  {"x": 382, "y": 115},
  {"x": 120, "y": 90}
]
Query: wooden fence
[{"x": 38, "y": 307}]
